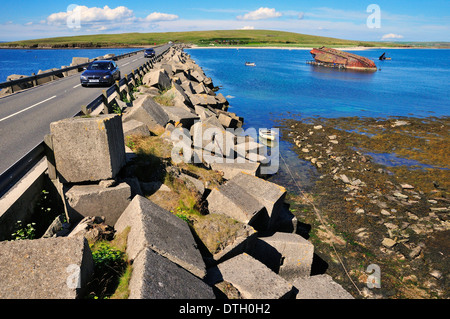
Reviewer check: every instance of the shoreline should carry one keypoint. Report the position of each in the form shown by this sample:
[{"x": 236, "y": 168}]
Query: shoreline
[{"x": 196, "y": 47}]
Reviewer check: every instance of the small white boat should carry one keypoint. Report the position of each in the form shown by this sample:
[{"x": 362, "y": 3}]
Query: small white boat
[
  {"x": 268, "y": 134},
  {"x": 250, "y": 64}
]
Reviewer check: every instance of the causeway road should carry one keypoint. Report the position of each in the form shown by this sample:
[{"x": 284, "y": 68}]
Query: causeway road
[{"x": 25, "y": 116}]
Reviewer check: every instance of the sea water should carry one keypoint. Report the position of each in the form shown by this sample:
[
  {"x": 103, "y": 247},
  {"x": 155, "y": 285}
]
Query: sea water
[
  {"x": 416, "y": 82},
  {"x": 26, "y": 62}
]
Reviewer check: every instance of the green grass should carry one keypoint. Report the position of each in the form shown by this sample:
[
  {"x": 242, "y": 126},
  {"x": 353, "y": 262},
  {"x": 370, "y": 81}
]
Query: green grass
[{"x": 201, "y": 38}]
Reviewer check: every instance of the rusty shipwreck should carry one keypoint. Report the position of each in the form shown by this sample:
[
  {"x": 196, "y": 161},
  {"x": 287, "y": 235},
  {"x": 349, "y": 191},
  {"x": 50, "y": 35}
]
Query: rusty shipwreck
[{"x": 333, "y": 58}]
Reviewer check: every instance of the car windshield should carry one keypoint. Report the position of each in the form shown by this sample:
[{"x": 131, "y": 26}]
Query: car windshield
[
  {"x": 99, "y": 66},
  {"x": 150, "y": 50}
]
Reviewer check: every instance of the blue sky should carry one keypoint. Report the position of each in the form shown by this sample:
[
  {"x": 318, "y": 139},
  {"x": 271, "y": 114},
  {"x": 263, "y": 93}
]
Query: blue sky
[{"x": 389, "y": 20}]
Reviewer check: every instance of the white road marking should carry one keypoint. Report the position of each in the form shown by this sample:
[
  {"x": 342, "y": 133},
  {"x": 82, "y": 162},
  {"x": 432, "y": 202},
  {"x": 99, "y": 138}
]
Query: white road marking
[
  {"x": 26, "y": 109},
  {"x": 77, "y": 86},
  {"x": 126, "y": 63}
]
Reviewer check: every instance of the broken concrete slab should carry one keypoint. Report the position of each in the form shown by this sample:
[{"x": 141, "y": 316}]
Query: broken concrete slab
[
  {"x": 154, "y": 227},
  {"x": 320, "y": 287},
  {"x": 96, "y": 200},
  {"x": 88, "y": 149},
  {"x": 287, "y": 254},
  {"x": 147, "y": 111},
  {"x": 230, "y": 170},
  {"x": 254, "y": 280},
  {"x": 235, "y": 202},
  {"x": 48, "y": 268},
  {"x": 156, "y": 277}
]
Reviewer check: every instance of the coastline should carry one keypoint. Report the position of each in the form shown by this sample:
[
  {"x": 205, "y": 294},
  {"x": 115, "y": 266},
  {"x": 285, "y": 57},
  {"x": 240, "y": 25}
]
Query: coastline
[{"x": 195, "y": 47}]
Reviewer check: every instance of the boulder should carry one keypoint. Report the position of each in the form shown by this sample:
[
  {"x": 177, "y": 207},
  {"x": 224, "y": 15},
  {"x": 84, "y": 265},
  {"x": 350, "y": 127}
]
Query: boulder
[
  {"x": 47, "y": 268},
  {"x": 88, "y": 149},
  {"x": 180, "y": 115},
  {"x": 230, "y": 170},
  {"x": 254, "y": 280},
  {"x": 156, "y": 277},
  {"x": 153, "y": 227}
]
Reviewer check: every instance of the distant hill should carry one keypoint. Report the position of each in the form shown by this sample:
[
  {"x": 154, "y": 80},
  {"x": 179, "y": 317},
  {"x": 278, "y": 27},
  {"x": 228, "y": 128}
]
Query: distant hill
[{"x": 200, "y": 38}]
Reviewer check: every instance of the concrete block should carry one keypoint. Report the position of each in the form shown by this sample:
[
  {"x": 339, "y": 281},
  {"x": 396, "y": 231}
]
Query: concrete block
[
  {"x": 152, "y": 226},
  {"x": 133, "y": 127},
  {"x": 96, "y": 200},
  {"x": 287, "y": 254},
  {"x": 181, "y": 115},
  {"x": 157, "y": 78},
  {"x": 230, "y": 170},
  {"x": 48, "y": 268},
  {"x": 254, "y": 280},
  {"x": 179, "y": 97},
  {"x": 147, "y": 111},
  {"x": 212, "y": 137},
  {"x": 267, "y": 193},
  {"x": 235, "y": 202},
  {"x": 156, "y": 277},
  {"x": 320, "y": 287},
  {"x": 88, "y": 149},
  {"x": 203, "y": 112}
]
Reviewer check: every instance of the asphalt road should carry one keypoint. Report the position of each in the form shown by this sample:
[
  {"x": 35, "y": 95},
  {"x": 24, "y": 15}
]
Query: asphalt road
[{"x": 25, "y": 117}]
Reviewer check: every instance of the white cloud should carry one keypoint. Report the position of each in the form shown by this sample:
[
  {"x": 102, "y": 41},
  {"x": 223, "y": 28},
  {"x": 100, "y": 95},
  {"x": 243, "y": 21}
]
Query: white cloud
[
  {"x": 158, "y": 16},
  {"x": 391, "y": 36},
  {"x": 261, "y": 14},
  {"x": 91, "y": 15},
  {"x": 247, "y": 27}
]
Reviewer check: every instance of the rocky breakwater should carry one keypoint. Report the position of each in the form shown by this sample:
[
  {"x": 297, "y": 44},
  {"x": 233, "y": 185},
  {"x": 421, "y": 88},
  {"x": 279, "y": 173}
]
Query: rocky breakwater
[{"x": 110, "y": 188}]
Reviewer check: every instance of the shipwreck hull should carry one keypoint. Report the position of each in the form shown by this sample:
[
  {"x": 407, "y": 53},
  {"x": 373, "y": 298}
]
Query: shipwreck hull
[{"x": 344, "y": 60}]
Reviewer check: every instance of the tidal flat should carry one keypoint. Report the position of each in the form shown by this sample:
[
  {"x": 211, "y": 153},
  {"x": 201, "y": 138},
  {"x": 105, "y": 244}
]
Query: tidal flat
[{"x": 381, "y": 198}]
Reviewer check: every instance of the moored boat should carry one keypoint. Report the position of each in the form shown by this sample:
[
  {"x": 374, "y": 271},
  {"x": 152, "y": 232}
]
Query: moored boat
[{"x": 268, "y": 134}]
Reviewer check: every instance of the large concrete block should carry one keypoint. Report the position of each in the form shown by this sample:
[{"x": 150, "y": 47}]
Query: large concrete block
[
  {"x": 135, "y": 128},
  {"x": 254, "y": 280},
  {"x": 287, "y": 254},
  {"x": 147, "y": 111},
  {"x": 96, "y": 200},
  {"x": 152, "y": 226},
  {"x": 269, "y": 194},
  {"x": 88, "y": 149},
  {"x": 210, "y": 136},
  {"x": 235, "y": 202},
  {"x": 50, "y": 268},
  {"x": 230, "y": 170},
  {"x": 157, "y": 78},
  {"x": 181, "y": 115},
  {"x": 156, "y": 277},
  {"x": 320, "y": 287}
]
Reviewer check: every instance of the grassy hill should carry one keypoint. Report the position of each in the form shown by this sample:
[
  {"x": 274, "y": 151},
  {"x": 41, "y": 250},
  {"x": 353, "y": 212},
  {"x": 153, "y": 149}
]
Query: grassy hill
[{"x": 200, "y": 38}]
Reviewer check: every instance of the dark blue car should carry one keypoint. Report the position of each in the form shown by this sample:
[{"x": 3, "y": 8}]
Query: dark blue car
[
  {"x": 100, "y": 72},
  {"x": 149, "y": 53}
]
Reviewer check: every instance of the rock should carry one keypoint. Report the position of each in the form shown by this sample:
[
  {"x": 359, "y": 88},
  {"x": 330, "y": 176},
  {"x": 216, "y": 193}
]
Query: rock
[
  {"x": 181, "y": 115},
  {"x": 436, "y": 274},
  {"x": 345, "y": 179},
  {"x": 406, "y": 186},
  {"x": 415, "y": 252},
  {"x": 47, "y": 268},
  {"x": 153, "y": 227},
  {"x": 388, "y": 242},
  {"x": 156, "y": 277},
  {"x": 400, "y": 195},
  {"x": 318, "y": 127},
  {"x": 88, "y": 149},
  {"x": 253, "y": 279},
  {"x": 385, "y": 212},
  {"x": 320, "y": 287}
]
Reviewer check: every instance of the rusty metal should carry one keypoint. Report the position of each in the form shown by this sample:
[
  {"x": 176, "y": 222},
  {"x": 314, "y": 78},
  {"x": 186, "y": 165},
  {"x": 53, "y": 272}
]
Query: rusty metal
[{"x": 339, "y": 59}]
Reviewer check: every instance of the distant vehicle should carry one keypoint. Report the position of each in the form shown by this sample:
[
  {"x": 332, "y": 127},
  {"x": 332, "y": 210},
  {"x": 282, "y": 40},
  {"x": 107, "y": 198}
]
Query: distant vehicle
[
  {"x": 250, "y": 64},
  {"x": 102, "y": 72},
  {"x": 149, "y": 53}
]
